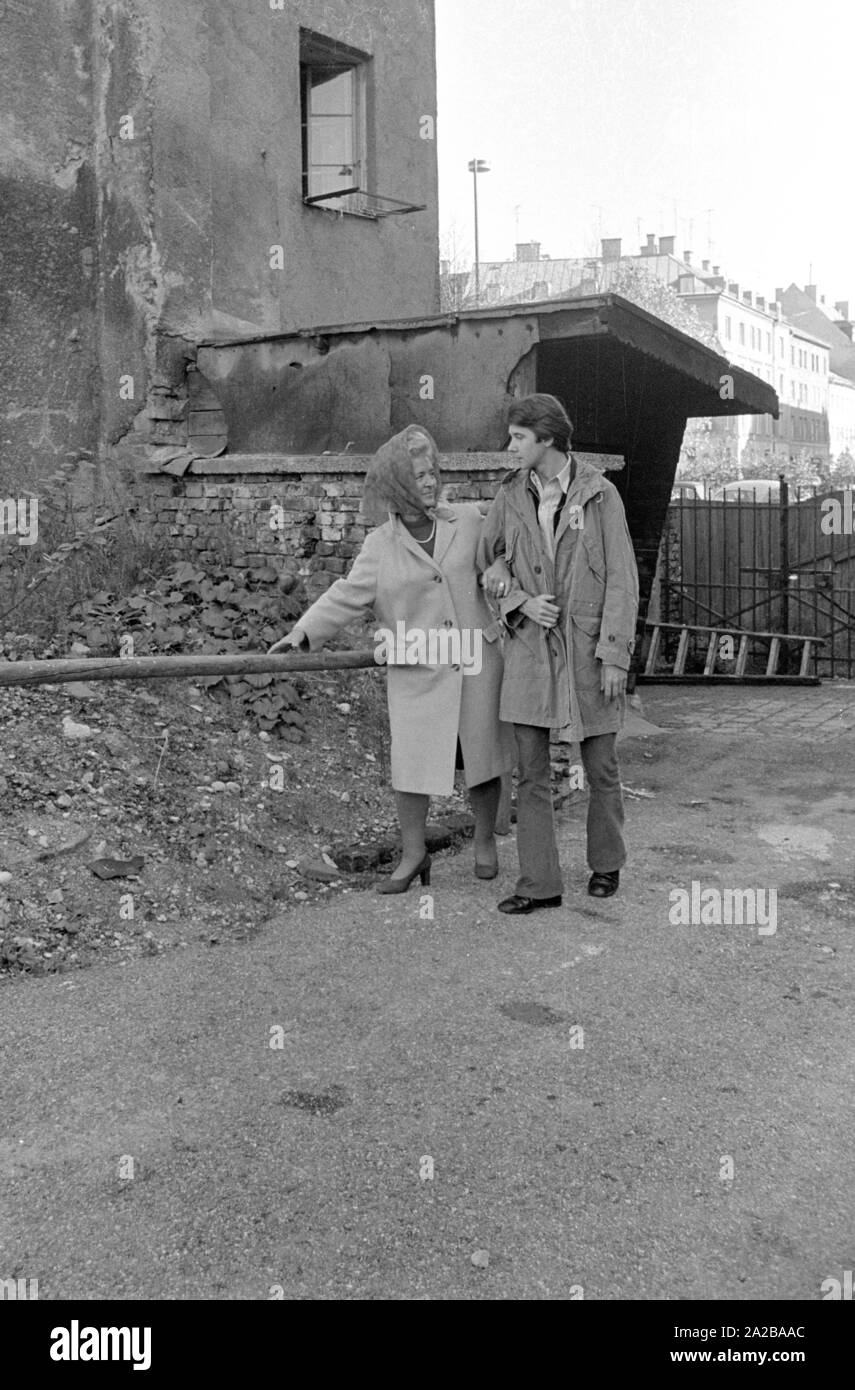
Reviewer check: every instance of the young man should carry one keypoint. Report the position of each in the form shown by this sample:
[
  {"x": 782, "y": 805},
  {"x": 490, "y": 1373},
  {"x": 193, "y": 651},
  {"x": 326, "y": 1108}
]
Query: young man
[{"x": 562, "y": 567}]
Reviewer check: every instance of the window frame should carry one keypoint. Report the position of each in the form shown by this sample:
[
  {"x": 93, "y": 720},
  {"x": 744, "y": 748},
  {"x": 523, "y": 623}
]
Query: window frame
[{"x": 317, "y": 51}]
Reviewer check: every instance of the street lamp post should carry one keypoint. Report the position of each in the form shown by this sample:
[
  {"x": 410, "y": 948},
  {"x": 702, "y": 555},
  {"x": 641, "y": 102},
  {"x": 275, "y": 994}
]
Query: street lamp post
[{"x": 476, "y": 167}]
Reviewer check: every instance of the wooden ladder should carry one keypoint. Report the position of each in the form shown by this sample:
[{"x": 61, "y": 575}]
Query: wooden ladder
[{"x": 745, "y": 636}]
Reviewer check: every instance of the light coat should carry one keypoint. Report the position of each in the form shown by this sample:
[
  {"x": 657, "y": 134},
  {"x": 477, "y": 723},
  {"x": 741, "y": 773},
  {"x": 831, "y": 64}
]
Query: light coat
[
  {"x": 429, "y": 704},
  {"x": 552, "y": 677}
]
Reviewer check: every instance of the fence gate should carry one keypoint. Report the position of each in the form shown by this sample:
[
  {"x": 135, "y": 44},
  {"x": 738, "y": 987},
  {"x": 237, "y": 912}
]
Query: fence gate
[{"x": 786, "y": 565}]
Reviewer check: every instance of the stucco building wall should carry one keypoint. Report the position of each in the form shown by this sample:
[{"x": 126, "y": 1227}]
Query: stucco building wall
[
  {"x": 48, "y": 241},
  {"x": 150, "y": 158}
]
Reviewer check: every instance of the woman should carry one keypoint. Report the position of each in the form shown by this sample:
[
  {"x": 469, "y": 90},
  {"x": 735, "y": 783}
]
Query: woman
[{"x": 417, "y": 573}]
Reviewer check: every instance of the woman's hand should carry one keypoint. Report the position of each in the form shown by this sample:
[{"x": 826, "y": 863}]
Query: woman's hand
[
  {"x": 295, "y": 638},
  {"x": 612, "y": 682},
  {"x": 497, "y": 581},
  {"x": 542, "y": 610}
]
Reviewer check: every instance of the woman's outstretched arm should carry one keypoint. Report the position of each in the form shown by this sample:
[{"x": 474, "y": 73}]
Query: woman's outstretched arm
[{"x": 343, "y": 602}]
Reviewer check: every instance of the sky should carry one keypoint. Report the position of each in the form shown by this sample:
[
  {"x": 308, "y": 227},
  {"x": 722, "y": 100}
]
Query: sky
[{"x": 730, "y": 125}]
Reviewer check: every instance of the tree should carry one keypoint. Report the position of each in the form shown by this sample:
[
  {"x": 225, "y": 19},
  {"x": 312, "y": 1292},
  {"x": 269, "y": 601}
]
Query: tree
[
  {"x": 643, "y": 289},
  {"x": 708, "y": 455},
  {"x": 454, "y": 269},
  {"x": 842, "y": 472}
]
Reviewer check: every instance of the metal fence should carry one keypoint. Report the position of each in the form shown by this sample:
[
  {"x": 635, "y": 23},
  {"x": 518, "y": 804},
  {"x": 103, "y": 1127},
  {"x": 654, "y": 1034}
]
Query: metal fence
[{"x": 782, "y": 565}]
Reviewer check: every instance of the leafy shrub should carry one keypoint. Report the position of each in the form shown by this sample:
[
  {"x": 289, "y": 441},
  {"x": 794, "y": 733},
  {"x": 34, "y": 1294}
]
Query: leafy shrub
[
  {"x": 197, "y": 611},
  {"x": 80, "y": 548}
]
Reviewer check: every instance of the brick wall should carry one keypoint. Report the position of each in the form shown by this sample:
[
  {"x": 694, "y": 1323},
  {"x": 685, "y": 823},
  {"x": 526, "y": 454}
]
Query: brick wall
[{"x": 301, "y": 514}]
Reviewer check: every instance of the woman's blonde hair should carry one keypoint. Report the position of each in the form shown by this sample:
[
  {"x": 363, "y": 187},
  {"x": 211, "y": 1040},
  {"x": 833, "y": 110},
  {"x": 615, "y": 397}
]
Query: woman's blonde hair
[{"x": 390, "y": 483}]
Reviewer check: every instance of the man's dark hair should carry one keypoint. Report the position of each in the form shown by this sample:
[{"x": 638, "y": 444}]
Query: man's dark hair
[{"x": 546, "y": 416}]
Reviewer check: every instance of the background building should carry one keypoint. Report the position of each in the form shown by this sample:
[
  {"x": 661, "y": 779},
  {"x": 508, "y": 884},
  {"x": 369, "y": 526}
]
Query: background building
[
  {"x": 792, "y": 342},
  {"x": 841, "y": 415},
  {"x": 832, "y": 327}
]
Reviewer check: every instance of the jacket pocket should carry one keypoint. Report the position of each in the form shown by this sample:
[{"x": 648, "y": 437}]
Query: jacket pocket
[
  {"x": 584, "y": 639},
  {"x": 589, "y": 623}
]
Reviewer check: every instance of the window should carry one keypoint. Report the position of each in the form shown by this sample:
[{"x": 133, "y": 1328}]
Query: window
[
  {"x": 728, "y": 326},
  {"x": 780, "y": 383},
  {"x": 742, "y": 334},
  {"x": 792, "y": 356},
  {"x": 332, "y": 86},
  {"x": 769, "y": 344}
]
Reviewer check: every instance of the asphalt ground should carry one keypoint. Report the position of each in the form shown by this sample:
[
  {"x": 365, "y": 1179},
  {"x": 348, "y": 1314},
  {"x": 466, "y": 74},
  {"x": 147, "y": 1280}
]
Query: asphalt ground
[{"x": 591, "y": 1101}]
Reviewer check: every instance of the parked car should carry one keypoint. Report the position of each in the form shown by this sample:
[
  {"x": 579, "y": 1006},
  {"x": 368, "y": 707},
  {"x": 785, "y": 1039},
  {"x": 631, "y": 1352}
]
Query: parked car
[
  {"x": 691, "y": 490},
  {"x": 751, "y": 489}
]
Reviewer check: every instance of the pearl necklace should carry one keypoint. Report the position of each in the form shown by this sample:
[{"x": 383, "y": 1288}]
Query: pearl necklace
[{"x": 428, "y": 538}]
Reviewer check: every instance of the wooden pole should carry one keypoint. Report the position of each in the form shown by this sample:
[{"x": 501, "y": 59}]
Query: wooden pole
[{"x": 142, "y": 668}]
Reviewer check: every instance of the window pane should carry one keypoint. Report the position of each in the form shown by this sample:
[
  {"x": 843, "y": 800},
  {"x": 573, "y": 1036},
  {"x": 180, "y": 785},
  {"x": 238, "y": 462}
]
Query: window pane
[
  {"x": 331, "y": 115},
  {"x": 326, "y": 180},
  {"x": 331, "y": 140},
  {"x": 332, "y": 91}
]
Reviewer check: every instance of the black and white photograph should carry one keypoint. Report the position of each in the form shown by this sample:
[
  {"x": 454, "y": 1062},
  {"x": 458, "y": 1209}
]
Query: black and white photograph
[{"x": 427, "y": 669}]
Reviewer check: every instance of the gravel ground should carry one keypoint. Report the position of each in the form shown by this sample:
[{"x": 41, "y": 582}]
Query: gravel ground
[
  {"x": 419, "y": 1098},
  {"x": 216, "y": 823}
]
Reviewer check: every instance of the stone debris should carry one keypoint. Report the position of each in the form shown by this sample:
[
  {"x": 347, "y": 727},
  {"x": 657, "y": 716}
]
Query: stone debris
[{"x": 70, "y": 729}]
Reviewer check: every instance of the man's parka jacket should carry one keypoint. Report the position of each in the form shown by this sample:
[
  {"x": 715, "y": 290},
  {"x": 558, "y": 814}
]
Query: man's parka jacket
[{"x": 552, "y": 677}]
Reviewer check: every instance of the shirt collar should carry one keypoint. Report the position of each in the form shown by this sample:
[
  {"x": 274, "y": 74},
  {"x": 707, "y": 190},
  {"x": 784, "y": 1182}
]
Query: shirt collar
[{"x": 562, "y": 478}]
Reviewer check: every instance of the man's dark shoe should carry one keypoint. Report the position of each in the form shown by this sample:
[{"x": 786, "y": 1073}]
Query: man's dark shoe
[
  {"x": 603, "y": 885},
  {"x": 516, "y": 903}
]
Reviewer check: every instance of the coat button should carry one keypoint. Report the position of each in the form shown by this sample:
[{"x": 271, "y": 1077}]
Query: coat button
[
  {"x": 437, "y": 579},
  {"x": 537, "y": 569},
  {"x": 455, "y": 668},
  {"x": 611, "y": 637},
  {"x": 448, "y": 623}
]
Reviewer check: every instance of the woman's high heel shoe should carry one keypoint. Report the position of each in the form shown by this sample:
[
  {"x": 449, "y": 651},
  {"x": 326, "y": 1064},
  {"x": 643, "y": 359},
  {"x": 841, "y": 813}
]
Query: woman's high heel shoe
[{"x": 400, "y": 885}]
